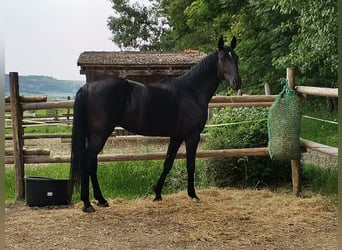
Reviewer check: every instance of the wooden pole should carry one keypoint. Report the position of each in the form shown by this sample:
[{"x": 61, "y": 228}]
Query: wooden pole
[
  {"x": 318, "y": 147},
  {"x": 295, "y": 164},
  {"x": 317, "y": 91},
  {"x": 220, "y": 153},
  {"x": 244, "y": 98},
  {"x": 48, "y": 105},
  {"x": 18, "y": 141},
  {"x": 267, "y": 89},
  {"x": 28, "y": 99},
  {"x": 241, "y": 104}
]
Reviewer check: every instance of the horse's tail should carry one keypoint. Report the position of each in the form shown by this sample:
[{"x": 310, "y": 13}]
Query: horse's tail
[{"x": 79, "y": 137}]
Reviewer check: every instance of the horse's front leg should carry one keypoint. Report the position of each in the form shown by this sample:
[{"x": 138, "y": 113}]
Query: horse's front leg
[
  {"x": 191, "y": 143},
  {"x": 172, "y": 150}
]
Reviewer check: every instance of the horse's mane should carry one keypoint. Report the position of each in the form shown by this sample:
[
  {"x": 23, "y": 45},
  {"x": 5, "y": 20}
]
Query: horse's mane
[{"x": 196, "y": 74}]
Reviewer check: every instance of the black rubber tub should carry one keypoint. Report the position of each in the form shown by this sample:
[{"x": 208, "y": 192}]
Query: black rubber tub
[{"x": 41, "y": 191}]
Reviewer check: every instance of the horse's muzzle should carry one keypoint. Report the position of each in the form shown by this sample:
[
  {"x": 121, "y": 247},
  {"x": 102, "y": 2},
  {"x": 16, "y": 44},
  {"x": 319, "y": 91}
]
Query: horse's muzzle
[{"x": 236, "y": 84}]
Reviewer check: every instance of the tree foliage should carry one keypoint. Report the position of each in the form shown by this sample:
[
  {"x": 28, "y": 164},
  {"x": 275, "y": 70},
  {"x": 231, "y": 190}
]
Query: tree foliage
[
  {"x": 136, "y": 26},
  {"x": 272, "y": 35},
  {"x": 313, "y": 49}
]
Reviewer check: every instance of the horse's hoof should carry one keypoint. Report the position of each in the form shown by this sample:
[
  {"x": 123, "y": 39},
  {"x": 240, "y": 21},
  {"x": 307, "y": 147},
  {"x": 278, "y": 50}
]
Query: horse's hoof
[
  {"x": 89, "y": 209},
  {"x": 159, "y": 198},
  {"x": 104, "y": 204},
  {"x": 195, "y": 199}
]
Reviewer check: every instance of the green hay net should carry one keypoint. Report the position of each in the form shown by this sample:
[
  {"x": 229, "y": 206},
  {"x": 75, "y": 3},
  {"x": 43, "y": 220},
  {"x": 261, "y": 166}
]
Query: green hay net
[{"x": 284, "y": 122}]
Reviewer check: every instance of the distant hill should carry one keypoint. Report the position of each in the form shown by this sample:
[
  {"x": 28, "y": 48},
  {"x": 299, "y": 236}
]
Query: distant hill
[{"x": 45, "y": 85}]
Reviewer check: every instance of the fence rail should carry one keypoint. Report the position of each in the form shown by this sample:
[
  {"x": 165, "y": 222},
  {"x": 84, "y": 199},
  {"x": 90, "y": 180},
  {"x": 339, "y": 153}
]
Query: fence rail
[
  {"x": 44, "y": 158},
  {"x": 316, "y": 91}
]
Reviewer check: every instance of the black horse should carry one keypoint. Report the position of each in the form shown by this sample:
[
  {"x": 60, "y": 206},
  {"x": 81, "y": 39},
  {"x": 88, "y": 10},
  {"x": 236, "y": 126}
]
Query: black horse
[{"x": 176, "y": 109}]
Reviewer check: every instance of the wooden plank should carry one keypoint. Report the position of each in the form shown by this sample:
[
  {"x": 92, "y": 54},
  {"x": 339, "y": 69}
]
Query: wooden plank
[
  {"x": 48, "y": 105},
  {"x": 29, "y": 151},
  {"x": 223, "y": 153},
  {"x": 217, "y": 101},
  {"x": 41, "y": 136},
  {"x": 240, "y": 104},
  {"x": 7, "y": 107},
  {"x": 28, "y": 99},
  {"x": 317, "y": 91},
  {"x": 18, "y": 141},
  {"x": 243, "y": 98},
  {"x": 9, "y": 160},
  {"x": 320, "y": 147}
]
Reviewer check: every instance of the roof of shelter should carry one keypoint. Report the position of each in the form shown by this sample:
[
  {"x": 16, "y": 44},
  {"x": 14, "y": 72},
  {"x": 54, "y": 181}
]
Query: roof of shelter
[{"x": 140, "y": 58}]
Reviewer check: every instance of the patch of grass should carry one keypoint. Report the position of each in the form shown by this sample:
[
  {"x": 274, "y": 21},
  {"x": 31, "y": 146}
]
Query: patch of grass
[
  {"x": 58, "y": 171},
  {"x": 320, "y": 180},
  {"x": 319, "y": 131},
  {"x": 48, "y": 129},
  {"x": 52, "y": 112},
  {"x": 127, "y": 180},
  {"x": 136, "y": 179}
]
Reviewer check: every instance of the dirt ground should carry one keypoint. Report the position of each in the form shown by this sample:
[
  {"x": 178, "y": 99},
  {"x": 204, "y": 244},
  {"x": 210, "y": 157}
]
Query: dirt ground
[{"x": 223, "y": 219}]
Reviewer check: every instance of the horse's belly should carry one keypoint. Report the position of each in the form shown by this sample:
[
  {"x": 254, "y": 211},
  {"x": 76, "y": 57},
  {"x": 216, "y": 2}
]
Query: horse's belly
[
  {"x": 151, "y": 111},
  {"x": 152, "y": 128}
]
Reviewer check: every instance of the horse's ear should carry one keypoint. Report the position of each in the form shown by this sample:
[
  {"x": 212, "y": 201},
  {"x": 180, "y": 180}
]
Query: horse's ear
[
  {"x": 233, "y": 43},
  {"x": 220, "y": 43}
]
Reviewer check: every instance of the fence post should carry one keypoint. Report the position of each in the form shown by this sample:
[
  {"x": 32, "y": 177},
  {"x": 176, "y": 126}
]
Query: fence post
[
  {"x": 68, "y": 112},
  {"x": 267, "y": 89},
  {"x": 295, "y": 164},
  {"x": 18, "y": 141}
]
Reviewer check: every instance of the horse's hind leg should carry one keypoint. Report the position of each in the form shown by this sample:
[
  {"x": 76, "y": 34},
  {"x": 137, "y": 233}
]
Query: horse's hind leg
[
  {"x": 172, "y": 150},
  {"x": 95, "y": 145},
  {"x": 96, "y": 187}
]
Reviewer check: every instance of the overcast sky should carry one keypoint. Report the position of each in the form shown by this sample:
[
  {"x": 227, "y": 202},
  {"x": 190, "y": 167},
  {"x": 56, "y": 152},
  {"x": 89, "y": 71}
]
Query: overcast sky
[{"x": 46, "y": 37}]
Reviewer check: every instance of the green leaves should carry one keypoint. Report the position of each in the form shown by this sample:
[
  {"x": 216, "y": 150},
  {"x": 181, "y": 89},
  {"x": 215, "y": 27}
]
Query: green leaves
[
  {"x": 314, "y": 45},
  {"x": 244, "y": 128},
  {"x": 136, "y": 26},
  {"x": 272, "y": 35}
]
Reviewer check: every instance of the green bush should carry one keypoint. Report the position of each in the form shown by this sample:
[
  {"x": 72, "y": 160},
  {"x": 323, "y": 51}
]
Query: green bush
[{"x": 242, "y": 128}]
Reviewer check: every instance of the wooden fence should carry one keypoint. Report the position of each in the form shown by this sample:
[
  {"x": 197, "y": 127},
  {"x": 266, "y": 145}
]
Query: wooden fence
[{"x": 16, "y": 104}]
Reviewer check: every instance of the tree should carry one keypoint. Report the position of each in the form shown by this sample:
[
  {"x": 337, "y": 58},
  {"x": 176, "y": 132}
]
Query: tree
[
  {"x": 313, "y": 50},
  {"x": 272, "y": 35},
  {"x": 198, "y": 24},
  {"x": 137, "y": 26},
  {"x": 261, "y": 40}
]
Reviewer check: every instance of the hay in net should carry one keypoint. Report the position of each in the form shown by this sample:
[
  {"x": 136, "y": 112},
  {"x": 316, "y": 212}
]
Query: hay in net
[{"x": 284, "y": 122}]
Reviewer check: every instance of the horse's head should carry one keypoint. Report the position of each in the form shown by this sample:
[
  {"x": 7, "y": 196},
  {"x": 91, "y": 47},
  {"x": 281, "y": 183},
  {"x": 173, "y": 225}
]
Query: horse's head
[{"x": 227, "y": 64}]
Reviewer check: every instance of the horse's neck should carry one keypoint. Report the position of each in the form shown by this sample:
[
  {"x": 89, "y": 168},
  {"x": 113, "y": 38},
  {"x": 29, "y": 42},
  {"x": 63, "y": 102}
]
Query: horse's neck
[
  {"x": 202, "y": 80},
  {"x": 207, "y": 81},
  {"x": 206, "y": 87}
]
